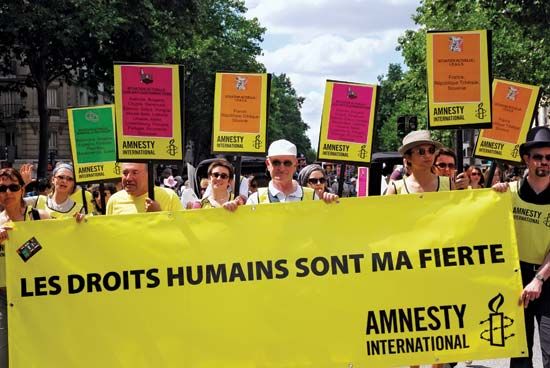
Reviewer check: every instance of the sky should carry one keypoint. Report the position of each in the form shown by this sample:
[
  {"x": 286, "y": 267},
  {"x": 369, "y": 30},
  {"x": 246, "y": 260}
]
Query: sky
[{"x": 315, "y": 40}]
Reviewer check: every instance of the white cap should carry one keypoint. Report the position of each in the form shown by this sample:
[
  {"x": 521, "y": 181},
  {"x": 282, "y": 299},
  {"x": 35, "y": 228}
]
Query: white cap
[{"x": 282, "y": 147}]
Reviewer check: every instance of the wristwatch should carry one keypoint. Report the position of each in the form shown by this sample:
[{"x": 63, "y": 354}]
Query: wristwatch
[{"x": 539, "y": 277}]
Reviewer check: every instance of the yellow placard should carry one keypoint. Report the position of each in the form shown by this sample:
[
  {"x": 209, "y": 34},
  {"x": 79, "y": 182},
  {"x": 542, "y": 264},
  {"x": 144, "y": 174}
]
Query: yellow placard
[
  {"x": 347, "y": 124},
  {"x": 148, "y": 112},
  {"x": 514, "y": 105},
  {"x": 93, "y": 146},
  {"x": 240, "y": 113},
  {"x": 209, "y": 288},
  {"x": 459, "y": 79}
]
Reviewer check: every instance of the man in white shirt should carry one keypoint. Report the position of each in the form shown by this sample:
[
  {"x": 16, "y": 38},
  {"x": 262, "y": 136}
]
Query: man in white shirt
[{"x": 282, "y": 164}]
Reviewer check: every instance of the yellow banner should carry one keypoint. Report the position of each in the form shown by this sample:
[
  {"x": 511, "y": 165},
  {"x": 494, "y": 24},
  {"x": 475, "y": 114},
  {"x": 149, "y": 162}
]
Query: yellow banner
[
  {"x": 240, "y": 113},
  {"x": 148, "y": 112},
  {"x": 93, "y": 146},
  {"x": 368, "y": 282},
  {"x": 514, "y": 105},
  {"x": 459, "y": 79},
  {"x": 347, "y": 123}
]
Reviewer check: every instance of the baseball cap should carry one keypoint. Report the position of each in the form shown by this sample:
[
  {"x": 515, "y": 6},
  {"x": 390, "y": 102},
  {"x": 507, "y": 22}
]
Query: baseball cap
[{"x": 282, "y": 147}]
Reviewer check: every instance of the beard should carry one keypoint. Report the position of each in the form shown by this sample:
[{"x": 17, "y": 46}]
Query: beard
[{"x": 542, "y": 172}]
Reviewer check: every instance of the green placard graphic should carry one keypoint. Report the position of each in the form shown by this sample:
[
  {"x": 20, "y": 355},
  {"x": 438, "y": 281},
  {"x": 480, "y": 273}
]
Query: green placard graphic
[{"x": 94, "y": 135}]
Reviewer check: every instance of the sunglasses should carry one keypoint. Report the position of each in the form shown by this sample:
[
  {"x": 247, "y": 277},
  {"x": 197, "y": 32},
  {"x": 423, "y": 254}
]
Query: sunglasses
[
  {"x": 422, "y": 151},
  {"x": 286, "y": 163},
  {"x": 539, "y": 157},
  {"x": 443, "y": 166},
  {"x": 475, "y": 174},
  {"x": 63, "y": 177},
  {"x": 217, "y": 175},
  {"x": 316, "y": 180},
  {"x": 12, "y": 187}
]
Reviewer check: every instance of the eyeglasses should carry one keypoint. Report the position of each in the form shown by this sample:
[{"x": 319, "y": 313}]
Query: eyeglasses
[
  {"x": 316, "y": 180},
  {"x": 443, "y": 166},
  {"x": 422, "y": 151},
  {"x": 217, "y": 175},
  {"x": 11, "y": 187},
  {"x": 286, "y": 163},
  {"x": 539, "y": 157},
  {"x": 63, "y": 177}
]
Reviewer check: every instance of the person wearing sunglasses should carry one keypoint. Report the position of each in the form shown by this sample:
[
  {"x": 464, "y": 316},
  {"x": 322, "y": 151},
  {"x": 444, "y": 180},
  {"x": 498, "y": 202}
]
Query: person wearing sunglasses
[
  {"x": 476, "y": 177},
  {"x": 220, "y": 174},
  {"x": 133, "y": 198},
  {"x": 314, "y": 177},
  {"x": 281, "y": 164},
  {"x": 59, "y": 203},
  {"x": 445, "y": 165},
  {"x": 108, "y": 191},
  {"x": 15, "y": 209},
  {"x": 419, "y": 150},
  {"x": 531, "y": 210}
]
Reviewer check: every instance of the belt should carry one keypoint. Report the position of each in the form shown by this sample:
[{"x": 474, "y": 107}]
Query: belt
[{"x": 529, "y": 266}]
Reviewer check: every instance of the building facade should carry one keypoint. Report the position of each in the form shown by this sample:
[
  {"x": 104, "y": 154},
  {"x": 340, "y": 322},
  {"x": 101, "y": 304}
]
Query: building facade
[{"x": 19, "y": 120}]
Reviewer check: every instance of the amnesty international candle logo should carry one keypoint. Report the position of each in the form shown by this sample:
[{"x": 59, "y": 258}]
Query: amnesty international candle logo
[
  {"x": 240, "y": 83},
  {"x": 456, "y": 43},
  {"x": 172, "y": 149},
  {"x": 116, "y": 170},
  {"x": 547, "y": 220},
  {"x": 362, "y": 152},
  {"x": 498, "y": 322},
  {"x": 351, "y": 94},
  {"x": 515, "y": 151},
  {"x": 481, "y": 111},
  {"x": 512, "y": 93},
  {"x": 257, "y": 142}
]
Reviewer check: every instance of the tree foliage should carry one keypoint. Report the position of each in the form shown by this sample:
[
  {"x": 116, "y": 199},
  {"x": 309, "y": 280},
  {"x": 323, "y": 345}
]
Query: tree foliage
[
  {"x": 223, "y": 41},
  {"x": 285, "y": 119},
  {"x": 520, "y": 53},
  {"x": 78, "y": 41}
]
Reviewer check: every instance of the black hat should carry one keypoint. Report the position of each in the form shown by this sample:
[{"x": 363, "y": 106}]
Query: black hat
[{"x": 536, "y": 138}]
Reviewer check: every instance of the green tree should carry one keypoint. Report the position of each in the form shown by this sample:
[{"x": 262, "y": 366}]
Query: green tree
[
  {"x": 520, "y": 34},
  {"x": 77, "y": 40},
  {"x": 520, "y": 53},
  {"x": 285, "y": 119},
  {"x": 223, "y": 40}
]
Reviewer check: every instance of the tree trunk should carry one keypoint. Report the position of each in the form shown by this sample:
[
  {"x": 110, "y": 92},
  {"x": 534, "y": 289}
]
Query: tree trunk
[{"x": 41, "y": 91}]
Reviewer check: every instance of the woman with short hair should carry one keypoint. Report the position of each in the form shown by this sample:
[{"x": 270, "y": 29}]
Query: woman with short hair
[{"x": 220, "y": 176}]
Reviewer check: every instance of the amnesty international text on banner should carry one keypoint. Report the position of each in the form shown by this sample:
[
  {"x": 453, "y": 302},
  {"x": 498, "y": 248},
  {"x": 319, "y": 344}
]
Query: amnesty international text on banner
[
  {"x": 187, "y": 289},
  {"x": 93, "y": 147},
  {"x": 240, "y": 113},
  {"x": 459, "y": 79},
  {"x": 148, "y": 112},
  {"x": 347, "y": 122},
  {"x": 514, "y": 105}
]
